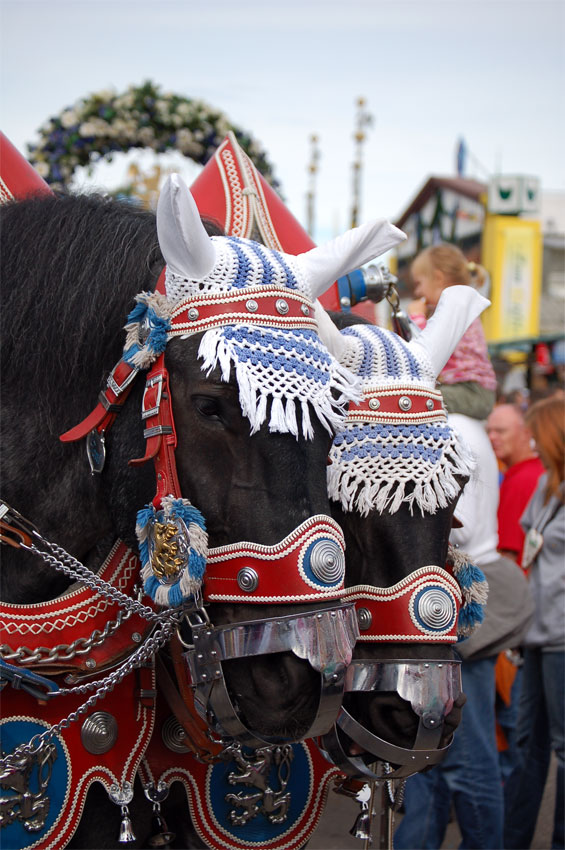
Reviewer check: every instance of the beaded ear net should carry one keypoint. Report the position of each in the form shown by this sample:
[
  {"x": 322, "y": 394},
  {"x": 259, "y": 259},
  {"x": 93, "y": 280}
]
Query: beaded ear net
[
  {"x": 397, "y": 446},
  {"x": 256, "y": 309}
]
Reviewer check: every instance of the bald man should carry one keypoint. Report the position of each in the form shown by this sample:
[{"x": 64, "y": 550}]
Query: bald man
[{"x": 511, "y": 440}]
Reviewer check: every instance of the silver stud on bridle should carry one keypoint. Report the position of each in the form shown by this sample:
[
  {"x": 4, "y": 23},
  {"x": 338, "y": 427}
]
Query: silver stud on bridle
[{"x": 247, "y": 579}]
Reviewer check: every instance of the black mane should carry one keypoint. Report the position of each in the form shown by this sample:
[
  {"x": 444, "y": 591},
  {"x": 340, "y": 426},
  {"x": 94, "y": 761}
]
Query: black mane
[{"x": 88, "y": 256}]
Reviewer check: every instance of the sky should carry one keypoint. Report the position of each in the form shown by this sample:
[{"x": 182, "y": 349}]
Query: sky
[{"x": 431, "y": 72}]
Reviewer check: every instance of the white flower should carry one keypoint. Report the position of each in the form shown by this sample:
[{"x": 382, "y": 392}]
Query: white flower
[
  {"x": 184, "y": 137},
  {"x": 146, "y": 136},
  {"x": 87, "y": 129},
  {"x": 68, "y": 118},
  {"x": 184, "y": 110},
  {"x": 42, "y": 169},
  {"x": 126, "y": 101},
  {"x": 101, "y": 127},
  {"x": 191, "y": 148}
]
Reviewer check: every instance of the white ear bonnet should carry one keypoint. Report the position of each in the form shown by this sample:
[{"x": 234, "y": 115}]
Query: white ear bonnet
[
  {"x": 277, "y": 360},
  {"x": 397, "y": 446}
]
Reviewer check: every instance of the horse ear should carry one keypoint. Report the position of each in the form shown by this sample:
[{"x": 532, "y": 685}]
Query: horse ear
[
  {"x": 457, "y": 307},
  {"x": 335, "y": 342},
  {"x": 326, "y": 263},
  {"x": 185, "y": 245}
]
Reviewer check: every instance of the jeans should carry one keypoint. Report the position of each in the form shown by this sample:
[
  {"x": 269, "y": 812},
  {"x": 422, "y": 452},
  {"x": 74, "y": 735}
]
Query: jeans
[
  {"x": 469, "y": 776},
  {"x": 540, "y": 730},
  {"x": 507, "y": 716}
]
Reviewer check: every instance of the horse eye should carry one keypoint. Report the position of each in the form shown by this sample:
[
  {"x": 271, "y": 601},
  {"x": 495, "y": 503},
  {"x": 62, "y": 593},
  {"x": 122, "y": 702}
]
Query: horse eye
[{"x": 208, "y": 407}]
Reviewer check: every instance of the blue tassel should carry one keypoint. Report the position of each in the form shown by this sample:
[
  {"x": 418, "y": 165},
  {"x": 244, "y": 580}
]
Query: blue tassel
[
  {"x": 175, "y": 596},
  {"x": 197, "y": 564},
  {"x": 469, "y": 574},
  {"x": 470, "y": 616},
  {"x": 138, "y": 312}
]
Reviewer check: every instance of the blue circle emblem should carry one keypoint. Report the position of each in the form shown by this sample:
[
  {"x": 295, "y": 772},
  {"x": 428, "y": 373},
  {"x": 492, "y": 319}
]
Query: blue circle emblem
[{"x": 34, "y": 794}]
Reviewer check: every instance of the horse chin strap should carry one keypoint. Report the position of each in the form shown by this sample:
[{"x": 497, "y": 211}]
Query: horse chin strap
[{"x": 431, "y": 688}]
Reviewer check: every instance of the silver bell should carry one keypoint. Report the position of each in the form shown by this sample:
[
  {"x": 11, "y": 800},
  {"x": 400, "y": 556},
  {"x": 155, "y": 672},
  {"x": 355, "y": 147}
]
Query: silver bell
[
  {"x": 362, "y": 826},
  {"x": 127, "y": 835}
]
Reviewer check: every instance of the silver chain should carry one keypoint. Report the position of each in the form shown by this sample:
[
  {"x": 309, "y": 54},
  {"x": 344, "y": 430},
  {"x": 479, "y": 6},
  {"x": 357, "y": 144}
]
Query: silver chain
[
  {"x": 167, "y": 622},
  {"x": 64, "y": 651},
  {"x": 147, "y": 650},
  {"x": 65, "y": 563}
]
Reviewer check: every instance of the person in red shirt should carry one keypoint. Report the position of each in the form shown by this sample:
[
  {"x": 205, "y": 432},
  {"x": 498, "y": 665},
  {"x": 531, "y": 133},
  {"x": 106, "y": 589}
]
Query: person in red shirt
[
  {"x": 511, "y": 440},
  {"x": 513, "y": 443}
]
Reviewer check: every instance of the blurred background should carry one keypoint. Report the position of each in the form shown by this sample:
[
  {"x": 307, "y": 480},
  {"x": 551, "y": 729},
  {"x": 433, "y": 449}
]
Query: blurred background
[{"x": 444, "y": 116}]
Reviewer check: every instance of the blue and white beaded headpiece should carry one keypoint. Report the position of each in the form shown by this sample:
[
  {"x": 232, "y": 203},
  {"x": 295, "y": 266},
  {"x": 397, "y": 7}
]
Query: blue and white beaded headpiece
[
  {"x": 397, "y": 446},
  {"x": 256, "y": 309}
]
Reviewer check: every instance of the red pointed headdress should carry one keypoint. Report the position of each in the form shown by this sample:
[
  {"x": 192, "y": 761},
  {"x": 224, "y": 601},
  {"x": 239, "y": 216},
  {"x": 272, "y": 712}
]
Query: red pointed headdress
[
  {"x": 18, "y": 178},
  {"x": 232, "y": 191}
]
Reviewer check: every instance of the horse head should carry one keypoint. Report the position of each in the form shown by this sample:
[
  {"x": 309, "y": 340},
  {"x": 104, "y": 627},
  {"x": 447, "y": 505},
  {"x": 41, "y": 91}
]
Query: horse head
[
  {"x": 272, "y": 400},
  {"x": 239, "y": 407},
  {"x": 397, "y": 469}
]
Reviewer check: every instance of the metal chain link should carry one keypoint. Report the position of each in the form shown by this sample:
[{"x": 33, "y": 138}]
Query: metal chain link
[
  {"x": 65, "y": 563},
  {"x": 166, "y": 622},
  {"x": 64, "y": 651}
]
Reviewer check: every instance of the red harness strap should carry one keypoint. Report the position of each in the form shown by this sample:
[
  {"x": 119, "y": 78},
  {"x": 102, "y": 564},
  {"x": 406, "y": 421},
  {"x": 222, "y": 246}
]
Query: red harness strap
[
  {"x": 160, "y": 433},
  {"x": 110, "y": 401}
]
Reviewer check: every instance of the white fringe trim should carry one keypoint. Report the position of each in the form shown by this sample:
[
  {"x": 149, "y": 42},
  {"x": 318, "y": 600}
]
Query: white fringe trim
[
  {"x": 366, "y": 484},
  {"x": 257, "y": 387}
]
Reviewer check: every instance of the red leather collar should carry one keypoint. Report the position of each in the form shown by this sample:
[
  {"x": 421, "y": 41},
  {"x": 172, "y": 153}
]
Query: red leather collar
[{"x": 70, "y": 633}]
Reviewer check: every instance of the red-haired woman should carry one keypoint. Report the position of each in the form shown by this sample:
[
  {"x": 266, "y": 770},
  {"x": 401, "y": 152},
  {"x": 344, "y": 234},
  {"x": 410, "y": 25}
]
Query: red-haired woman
[{"x": 541, "y": 714}]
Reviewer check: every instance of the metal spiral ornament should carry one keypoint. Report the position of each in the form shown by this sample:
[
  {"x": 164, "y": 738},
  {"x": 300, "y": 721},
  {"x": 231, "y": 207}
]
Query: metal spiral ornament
[
  {"x": 435, "y": 608},
  {"x": 99, "y": 732},
  {"x": 247, "y": 579},
  {"x": 327, "y": 561},
  {"x": 174, "y": 736}
]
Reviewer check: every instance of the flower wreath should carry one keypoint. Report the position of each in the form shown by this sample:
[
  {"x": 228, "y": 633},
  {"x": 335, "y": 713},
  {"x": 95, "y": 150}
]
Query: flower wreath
[{"x": 104, "y": 123}]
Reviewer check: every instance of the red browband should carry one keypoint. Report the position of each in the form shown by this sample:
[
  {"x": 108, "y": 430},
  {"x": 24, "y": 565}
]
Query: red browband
[
  {"x": 404, "y": 404},
  {"x": 265, "y": 305}
]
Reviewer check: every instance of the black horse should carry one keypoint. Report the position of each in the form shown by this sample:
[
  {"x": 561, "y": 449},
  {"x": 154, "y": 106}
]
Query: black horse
[
  {"x": 71, "y": 267},
  {"x": 394, "y": 532}
]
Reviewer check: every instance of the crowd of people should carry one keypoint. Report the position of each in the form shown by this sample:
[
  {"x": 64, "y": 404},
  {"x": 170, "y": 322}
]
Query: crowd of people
[{"x": 512, "y": 516}]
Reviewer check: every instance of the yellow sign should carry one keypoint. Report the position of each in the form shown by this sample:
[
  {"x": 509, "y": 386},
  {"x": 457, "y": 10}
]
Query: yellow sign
[{"x": 511, "y": 252}]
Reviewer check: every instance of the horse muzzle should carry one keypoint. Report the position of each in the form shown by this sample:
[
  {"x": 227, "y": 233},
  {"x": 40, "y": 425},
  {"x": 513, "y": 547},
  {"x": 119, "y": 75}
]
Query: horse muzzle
[
  {"x": 430, "y": 687},
  {"x": 325, "y": 638}
]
